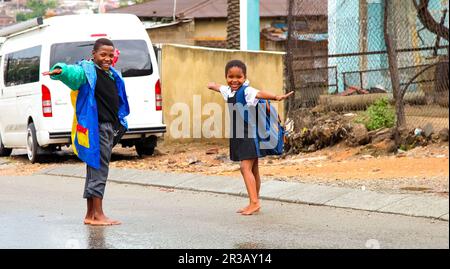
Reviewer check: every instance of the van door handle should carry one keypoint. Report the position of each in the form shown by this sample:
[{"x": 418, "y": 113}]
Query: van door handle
[{"x": 60, "y": 102}]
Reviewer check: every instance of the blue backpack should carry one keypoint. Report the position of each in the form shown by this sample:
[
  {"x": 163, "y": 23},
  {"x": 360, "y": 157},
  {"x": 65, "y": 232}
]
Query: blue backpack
[{"x": 268, "y": 133}]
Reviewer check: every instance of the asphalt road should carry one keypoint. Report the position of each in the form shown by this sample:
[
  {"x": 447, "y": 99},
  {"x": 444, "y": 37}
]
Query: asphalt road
[{"x": 47, "y": 212}]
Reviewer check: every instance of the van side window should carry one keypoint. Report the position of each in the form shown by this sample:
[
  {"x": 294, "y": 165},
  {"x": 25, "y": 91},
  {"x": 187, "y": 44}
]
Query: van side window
[
  {"x": 22, "y": 66},
  {"x": 134, "y": 59}
]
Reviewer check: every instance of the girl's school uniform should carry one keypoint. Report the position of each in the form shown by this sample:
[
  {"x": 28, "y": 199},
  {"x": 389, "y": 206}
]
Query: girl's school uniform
[{"x": 241, "y": 147}]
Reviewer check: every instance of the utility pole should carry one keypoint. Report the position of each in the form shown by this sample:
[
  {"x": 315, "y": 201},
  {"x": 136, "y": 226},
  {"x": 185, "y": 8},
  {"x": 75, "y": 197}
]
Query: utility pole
[
  {"x": 249, "y": 24},
  {"x": 174, "y": 9},
  {"x": 101, "y": 7}
]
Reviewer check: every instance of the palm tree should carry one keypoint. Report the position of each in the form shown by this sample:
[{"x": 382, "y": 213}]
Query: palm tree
[{"x": 233, "y": 29}]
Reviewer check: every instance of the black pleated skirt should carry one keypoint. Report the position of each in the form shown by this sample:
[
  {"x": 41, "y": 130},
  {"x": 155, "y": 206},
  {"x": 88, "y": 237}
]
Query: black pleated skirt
[{"x": 241, "y": 148}]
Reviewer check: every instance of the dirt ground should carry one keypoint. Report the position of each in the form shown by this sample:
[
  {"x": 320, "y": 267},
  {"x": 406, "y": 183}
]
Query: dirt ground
[{"x": 420, "y": 170}]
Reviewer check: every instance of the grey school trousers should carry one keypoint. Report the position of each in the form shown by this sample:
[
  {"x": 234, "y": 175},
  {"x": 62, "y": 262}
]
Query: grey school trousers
[{"x": 96, "y": 178}]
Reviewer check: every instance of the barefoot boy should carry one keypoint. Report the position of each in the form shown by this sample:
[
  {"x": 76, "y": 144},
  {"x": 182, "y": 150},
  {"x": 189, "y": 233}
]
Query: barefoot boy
[{"x": 100, "y": 109}]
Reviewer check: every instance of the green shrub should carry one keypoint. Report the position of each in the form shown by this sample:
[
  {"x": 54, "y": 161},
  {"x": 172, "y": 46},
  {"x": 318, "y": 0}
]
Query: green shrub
[{"x": 378, "y": 115}]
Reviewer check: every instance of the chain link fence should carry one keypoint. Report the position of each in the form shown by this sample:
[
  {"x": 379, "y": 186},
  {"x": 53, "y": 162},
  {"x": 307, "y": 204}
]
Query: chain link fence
[{"x": 350, "y": 69}]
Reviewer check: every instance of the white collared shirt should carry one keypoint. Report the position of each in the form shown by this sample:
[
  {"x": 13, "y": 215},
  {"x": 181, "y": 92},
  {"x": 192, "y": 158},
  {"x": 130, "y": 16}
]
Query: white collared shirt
[{"x": 249, "y": 93}]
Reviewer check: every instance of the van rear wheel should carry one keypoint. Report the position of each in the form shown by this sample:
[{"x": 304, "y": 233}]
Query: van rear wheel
[
  {"x": 32, "y": 144},
  {"x": 146, "y": 146},
  {"x": 143, "y": 150},
  {"x": 4, "y": 151}
]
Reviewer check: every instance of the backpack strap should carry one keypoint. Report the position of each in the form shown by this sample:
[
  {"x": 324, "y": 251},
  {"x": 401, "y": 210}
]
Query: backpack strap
[
  {"x": 252, "y": 124},
  {"x": 240, "y": 95},
  {"x": 240, "y": 98}
]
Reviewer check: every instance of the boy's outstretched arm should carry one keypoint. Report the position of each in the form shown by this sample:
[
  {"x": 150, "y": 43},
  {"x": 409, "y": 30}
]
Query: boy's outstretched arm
[
  {"x": 271, "y": 96},
  {"x": 214, "y": 86},
  {"x": 71, "y": 75},
  {"x": 55, "y": 71}
]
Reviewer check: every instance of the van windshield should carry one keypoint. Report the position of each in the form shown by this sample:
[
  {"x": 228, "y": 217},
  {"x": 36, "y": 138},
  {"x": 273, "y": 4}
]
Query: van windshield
[{"x": 134, "y": 59}]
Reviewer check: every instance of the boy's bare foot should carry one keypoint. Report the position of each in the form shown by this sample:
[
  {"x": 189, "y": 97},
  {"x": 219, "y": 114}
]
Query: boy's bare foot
[
  {"x": 251, "y": 209},
  {"x": 87, "y": 221},
  {"x": 103, "y": 221},
  {"x": 100, "y": 223}
]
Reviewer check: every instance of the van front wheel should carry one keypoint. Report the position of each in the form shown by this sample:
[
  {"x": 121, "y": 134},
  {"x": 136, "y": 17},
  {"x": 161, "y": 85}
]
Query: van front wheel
[
  {"x": 32, "y": 144},
  {"x": 4, "y": 151}
]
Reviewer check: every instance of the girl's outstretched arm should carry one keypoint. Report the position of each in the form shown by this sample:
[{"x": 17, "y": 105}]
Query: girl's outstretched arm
[
  {"x": 271, "y": 96},
  {"x": 214, "y": 86}
]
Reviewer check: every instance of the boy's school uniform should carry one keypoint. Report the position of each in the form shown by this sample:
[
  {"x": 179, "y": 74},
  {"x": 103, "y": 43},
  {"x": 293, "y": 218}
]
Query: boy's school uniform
[{"x": 82, "y": 79}]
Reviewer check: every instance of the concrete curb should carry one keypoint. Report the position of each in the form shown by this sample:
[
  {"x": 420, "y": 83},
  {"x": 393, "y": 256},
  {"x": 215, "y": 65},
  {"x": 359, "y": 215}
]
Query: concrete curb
[{"x": 403, "y": 204}]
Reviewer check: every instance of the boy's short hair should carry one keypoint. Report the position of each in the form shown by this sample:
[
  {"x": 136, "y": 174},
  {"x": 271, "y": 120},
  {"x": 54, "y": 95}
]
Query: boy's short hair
[
  {"x": 102, "y": 42},
  {"x": 236, "y": 63}
]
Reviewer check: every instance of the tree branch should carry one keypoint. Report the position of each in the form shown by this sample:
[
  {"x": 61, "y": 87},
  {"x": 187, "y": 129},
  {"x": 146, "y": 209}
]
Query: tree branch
[{"x": 428, "y": 21}]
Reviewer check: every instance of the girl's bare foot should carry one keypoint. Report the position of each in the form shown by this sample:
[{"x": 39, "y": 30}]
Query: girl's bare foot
[
  {"x": 87, "y": 221},
  {"x": 240, "y": 210},
  {"x": 251, "y": 209}
]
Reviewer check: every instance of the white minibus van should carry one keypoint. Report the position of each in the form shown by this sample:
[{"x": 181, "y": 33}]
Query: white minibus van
[{"x": 36, "y": 112}]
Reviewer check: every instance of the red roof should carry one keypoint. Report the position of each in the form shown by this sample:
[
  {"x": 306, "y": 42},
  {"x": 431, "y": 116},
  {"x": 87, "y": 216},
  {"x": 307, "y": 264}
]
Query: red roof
[
  {"x": 218, "y": 8},
  {"x": 4, "y": 16}
]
